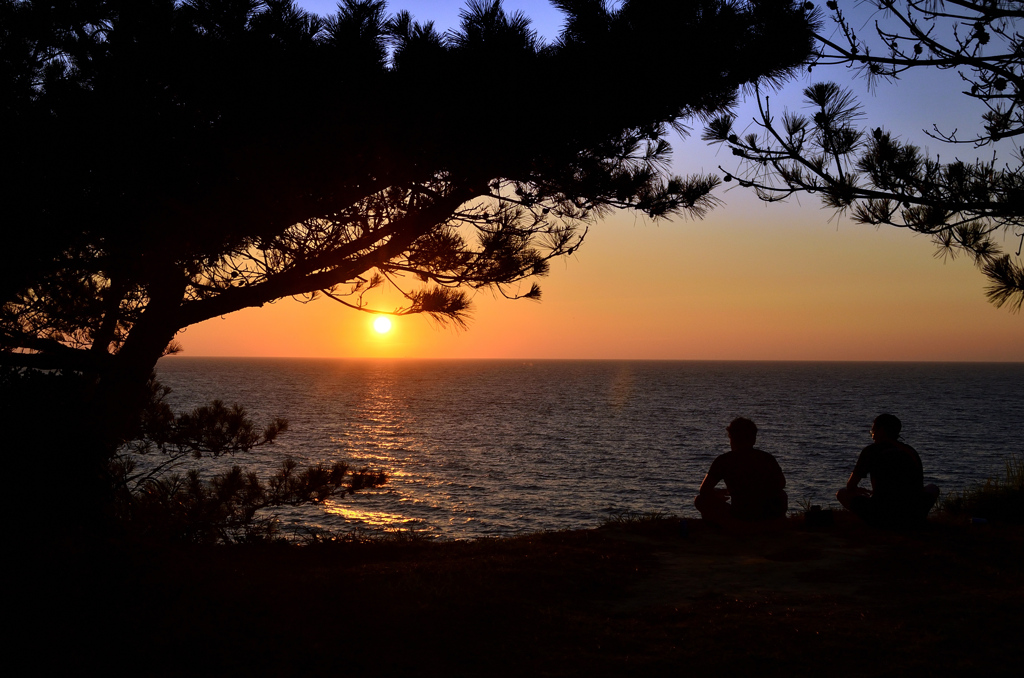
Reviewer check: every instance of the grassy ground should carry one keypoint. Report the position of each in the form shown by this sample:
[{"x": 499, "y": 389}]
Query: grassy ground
[{"x": 636, "y": 598}]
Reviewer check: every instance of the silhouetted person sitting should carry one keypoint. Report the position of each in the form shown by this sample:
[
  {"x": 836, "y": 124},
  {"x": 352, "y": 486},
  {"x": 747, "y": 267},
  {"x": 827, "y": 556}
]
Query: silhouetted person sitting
[
  {"x": 753, "y": 480},
  {"x": 898, "y": 497}
]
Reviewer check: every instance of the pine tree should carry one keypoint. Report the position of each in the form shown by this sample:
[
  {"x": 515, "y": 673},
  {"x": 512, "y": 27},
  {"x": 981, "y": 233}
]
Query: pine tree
[{"x": 874, "y": 177}]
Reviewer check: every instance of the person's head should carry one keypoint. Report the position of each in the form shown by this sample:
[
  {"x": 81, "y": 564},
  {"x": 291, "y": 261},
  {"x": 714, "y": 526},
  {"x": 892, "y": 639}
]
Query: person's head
[
  {"x": 886, "y": 427},
  {"x": 742, "y": 432}
]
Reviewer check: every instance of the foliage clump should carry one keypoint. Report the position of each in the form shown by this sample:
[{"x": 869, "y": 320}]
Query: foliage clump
[
  {"x": 230, "y": 507},
  {"x": 213, "y": 429},
  {"x": 966, "y": 207},
  {"x": 1000, "y": 501}
]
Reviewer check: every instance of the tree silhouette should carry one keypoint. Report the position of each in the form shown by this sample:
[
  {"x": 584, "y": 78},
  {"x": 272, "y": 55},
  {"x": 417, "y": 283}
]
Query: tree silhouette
[
  {"x": 877, "y": 178},
  {"x": 170, "y": 162}
]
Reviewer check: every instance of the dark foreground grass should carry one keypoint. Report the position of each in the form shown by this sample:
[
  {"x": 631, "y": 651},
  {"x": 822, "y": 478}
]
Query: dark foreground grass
[
  {"x": 998, "y": 500},
  {"x": 635, "y": 598}
]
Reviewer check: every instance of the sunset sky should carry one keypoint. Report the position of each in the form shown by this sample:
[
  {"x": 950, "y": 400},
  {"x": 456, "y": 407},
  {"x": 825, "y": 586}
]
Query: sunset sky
[{"x": 749, "y": 282}]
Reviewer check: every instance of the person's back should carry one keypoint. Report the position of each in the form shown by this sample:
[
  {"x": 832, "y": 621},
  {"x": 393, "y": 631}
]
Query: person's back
[
  {"x": 898, "y": 497},
  {"x": 895, "y": 470},
  {"x": 755, "y": 483}
]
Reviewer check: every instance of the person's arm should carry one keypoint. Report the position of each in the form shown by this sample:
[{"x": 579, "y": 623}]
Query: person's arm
[
  {"x": 853, "y": 484},
  {"x": 780, "y": 477},
  {"x": 859, "y": 474},
  {"x": 713, "y": 477},
  {"x": 707, "y": 485}
]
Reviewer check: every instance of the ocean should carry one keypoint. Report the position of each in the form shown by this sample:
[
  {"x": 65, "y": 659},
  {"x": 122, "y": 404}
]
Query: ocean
[{"x": 480, "y": 448}]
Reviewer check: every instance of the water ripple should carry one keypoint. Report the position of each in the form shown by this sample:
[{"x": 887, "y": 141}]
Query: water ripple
[{"x": 478, "y": 448}]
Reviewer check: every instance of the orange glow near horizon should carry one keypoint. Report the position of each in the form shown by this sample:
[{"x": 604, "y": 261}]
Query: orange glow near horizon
[{"x": 753, "y": 283}]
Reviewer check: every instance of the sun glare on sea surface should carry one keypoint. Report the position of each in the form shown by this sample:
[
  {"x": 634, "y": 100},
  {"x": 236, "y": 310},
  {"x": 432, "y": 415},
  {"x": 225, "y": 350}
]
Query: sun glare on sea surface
[{"x": 382, "y": 324}]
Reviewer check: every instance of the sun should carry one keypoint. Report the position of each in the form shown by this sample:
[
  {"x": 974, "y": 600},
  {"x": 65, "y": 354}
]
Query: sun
[{"x": 382, "y": 324}]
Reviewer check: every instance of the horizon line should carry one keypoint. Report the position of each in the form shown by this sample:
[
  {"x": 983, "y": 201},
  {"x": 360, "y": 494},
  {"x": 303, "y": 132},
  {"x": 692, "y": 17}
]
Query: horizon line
[{"x": 520, "y": 359}]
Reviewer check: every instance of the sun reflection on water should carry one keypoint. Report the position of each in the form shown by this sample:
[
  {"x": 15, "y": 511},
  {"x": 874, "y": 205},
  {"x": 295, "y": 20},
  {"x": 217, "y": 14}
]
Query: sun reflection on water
[{"x": 376, "y": 519}]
